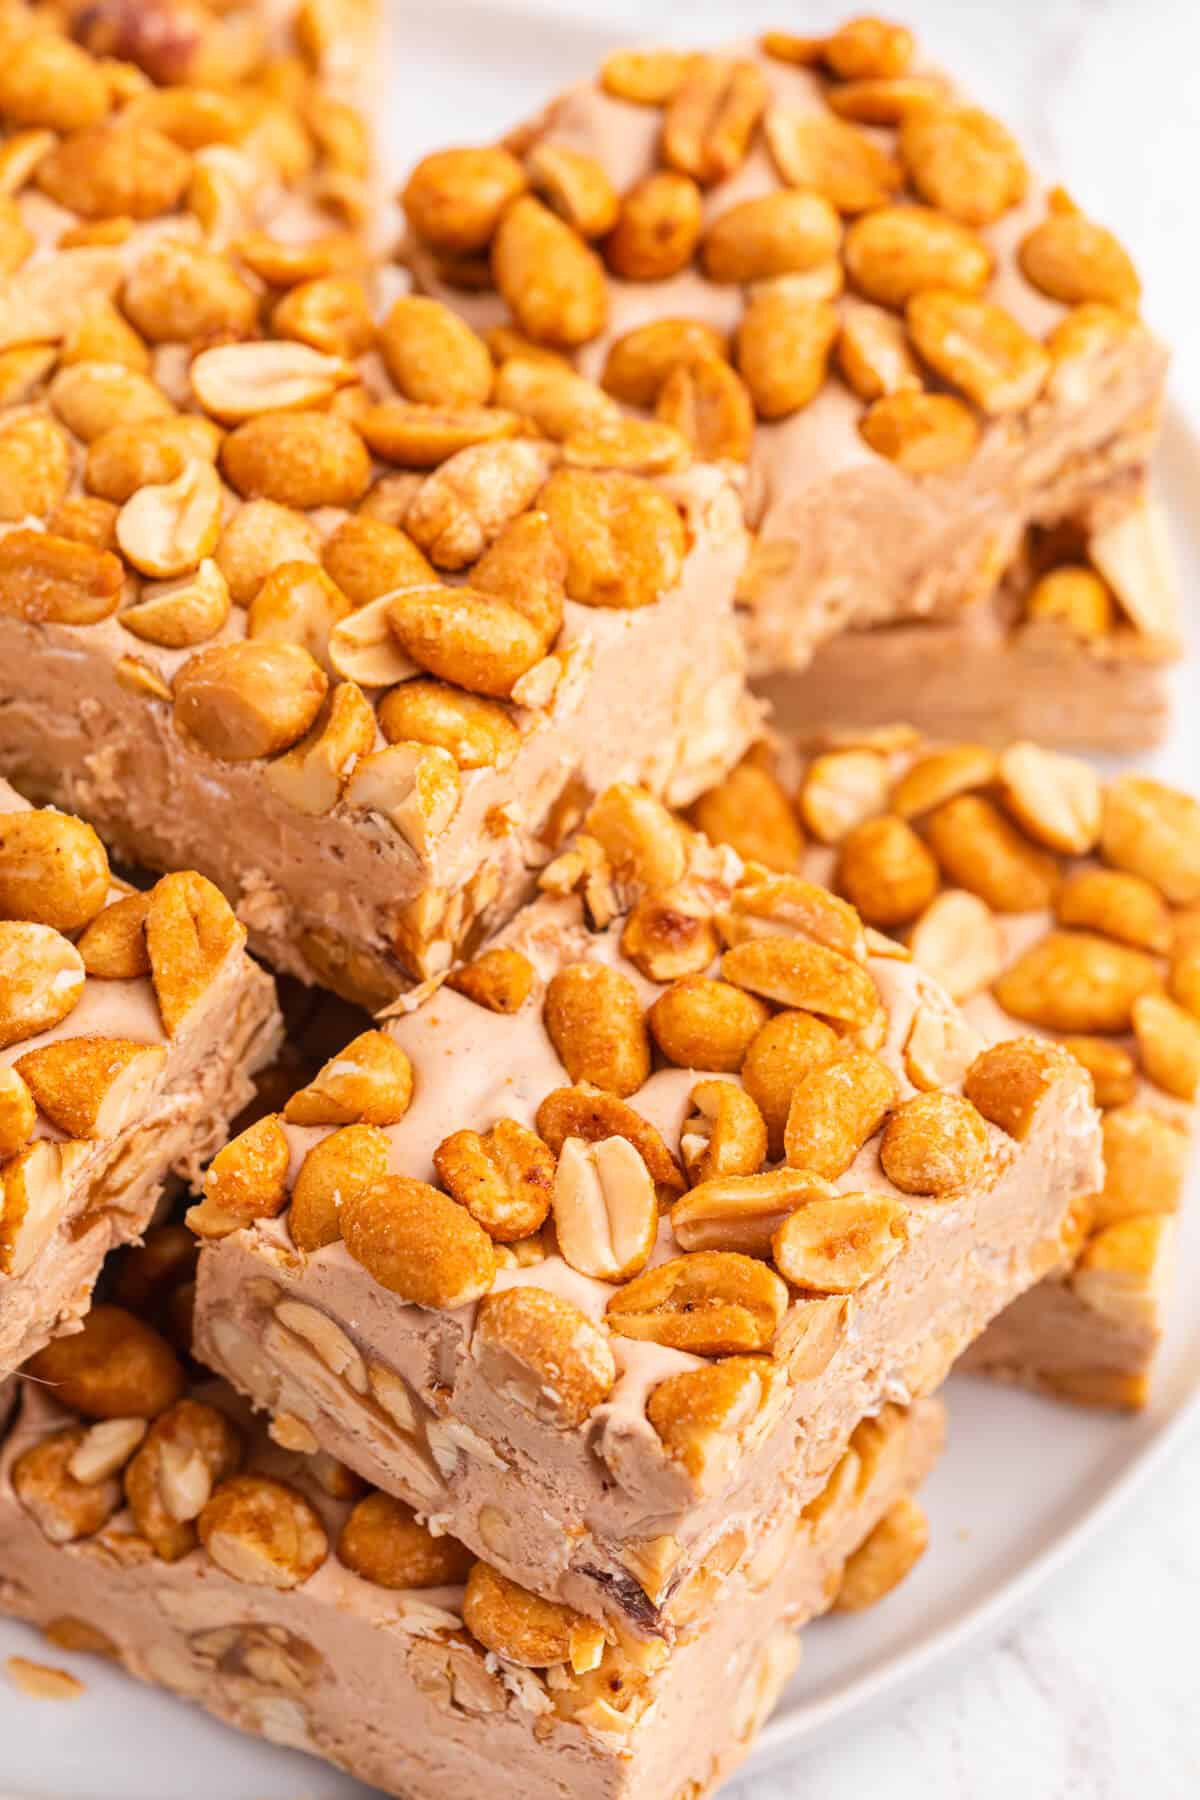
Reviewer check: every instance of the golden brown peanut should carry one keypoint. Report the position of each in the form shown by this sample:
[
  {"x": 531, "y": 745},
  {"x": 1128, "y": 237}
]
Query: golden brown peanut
[
  {"x": 114, "y": 171},
  {"x": 345, "y": 1162},
  {"x": 552, "y": 283},
  {"x": 87, "y": 1086},
  {"x": 1145, "y": 1163},
  {"x": 545, "y": 1353},
  {"x": 699, "y": 1413},
  {"x": 85, "y": 521},
  {"x": 127, "y": 458},
  {"x": 923, "y": 434},
  {"x": 896, "y": 252},
  {"x": 640, "y": 446},
  {"x": 751, "y": 813},
  {"x": 35, "y": 468},
  {"x": 464, "y": 505},
  {"x": 641, "y": 840},
  {"x": 962, "y": 161},
  {"x": 332, "y": 314},
  {"x": 669, "y": 935},
  {"x": 574, "y": 186},
  {"x": 710, "y": 405},
  {"x": 594, "y": 1019},
  {"x": 935, "y": 1143},
  {"x": 63, "y": 1508},
  {"x": 842, "y": 789},
  {"x": 383, "y": 1541},
  {"x": 525, "y": 566},
  {"x": 711, "y": 118},
  {"x": 454, "y": 198},
  {"x": 1075, "y": 981},
  {"x": 246, "y": 700},
  {"x": 1153, "y": 830},
  {"x": 776, "y": 234},
  {"x": 886, "y": 872},
  {"x": 978, "y": 348},
  {"x": 1113, "y": 1071},
  {"x": 260, "y": 536},
  {"x": 700, "y": 1023},
  {"x": 711, "y": 1303},
  {"x": 765, "y": 904},
  {"x": 53, "y": 870},
  {"x": 1007, "y": 1082},
  {"x": 725, "y": 1134},
  {"x": 743, "y": 1212},
  {"x": 887, "y": 1556},
  {"x": 313, "y": 774},
  {"x": 624, "y": 541},
  {"x": 1183, "y": 979},
  {"x": 1056, "y": 799},
  {"x": 884, "y": 99},
  {"x": 115, "y": 1367},
  {"x": 557, "y": 400},
  {"x": 190, "y": 933},
  {"x": 873, "y": 353},
  {"x": 1168, "y": 1040},
  {"x": 583, "y": 1113},
  {"x": 91, "y": 397},
  {"x": 298, "y": 459},
  {"x": 41, "y": 979},
  {"x": 49, "y": 81},
  {"x": 298, "y": 604},
  {"x": 50, "y": 578},
  {"x": 501, "y": 980},
  {"x": 795, "y": 972},
  {"x": 978, "y": 849},
  {"x": 178, "y": 293},
  {"x": 835, "y": 1109},
  {"x": 418, "y": 1243},
  {"x": 958, "y": 941},
  {"x": 263, "y": 1532},
  {"x": 476, "y": 641},
  {"x": 645, "y": 77},
  {"x": 182, "y": 613},
  {"x": 369, "y": 1082},
  {"x": 505, "y": 1178},
  {"x": 432, "y": 356},
  {"x": 241, "y": 381},
  {"x": 605, "y": 1208},
  {"x": 788, "y": 1048},
  {"x": 18, "y": 1114},
  {"x": 834, "y": 1245},
  {"x": 640, "y": 362},
  {"x": 1072, "y": 259},
  {"x": 658, "y": 228},
  {"x": 829, "y": 157},
  {"x": 525, "y": 1629},
  {"x": 114, "y": 944},
  {"x": 1125, "y": 907},
  {"x": 783, "y": 348},
  {"x": 478, "y": 733},
  {"x": 866, "y": 48},
  {"x": 187, "y": 1450},
  {"x": 1078, "y": 597},
  {"x": 247, "y": 1180},
  {"x": 367, "y": 557}
]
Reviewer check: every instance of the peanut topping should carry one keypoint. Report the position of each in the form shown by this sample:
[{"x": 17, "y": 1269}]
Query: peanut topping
[
  {"x": 575, "y": 187},
  {"x": 668, "y": 935},
  {"x": 116, "y": 1367},
  {"x": 1075, "y": 981},
  {"x": 885, "y": 100},
  {"x": 775, "y": 235},
  {"x": 1056, "y": 799},
  {"x": 1077, "y": 597},
  {"x": 313, "y": 774},
  {"x": 432, "y": 356},
  {"x": 935, "y": 1143},
  {"x": 579, "y": 1112},
  {"x": 18, "y": 1115},
  {"x": 1008, "y": 1082},
  {"x": 45, "y": 578},
  {"x": 787, "y": 1048},
  {"x": 186, "y": 1452},
  {"x": 712, "y": 1303},
  {"x": 474, "y": 640},
  {"x": 236, "y": 382},
  {"x": 625, "y": 542},
  {"x": 641, "y": 361},
  {"x": 605, "y": 1209},
  {"x": 783, "y": 346},
  {"x": 699, "y": 1023},
  {"x": 796, "y": 973},
  {"x": 35, "y": 468},
  {"x": 553, "y": 284},
  {"x": 191, "y": 934},
  {"x": 834, "y": 1245},
  {"x": 873, "y": 353},
  {"x": 114, "y": 944},
  {"x": 454, "y": 198},
  {"x": 957, "y": 939},
  {"x": 750, "y": 812},
  {"x": 646, "y": 77},
  {"x": 182, "y": 613},
  {"x": 711, "y": 118},
  {"x": 369, "y": 1082},
  {"x": 53, "y": 869},
  {"x": 979, "y": 850},
  {"x": 1153, "y": 830},
  {"x": 979, "y": 348},
  {"x": 346, "y": 1162},
  {"x": 64, "y": 1508},
  {"x": 881, "y": 1563},
  {"x": 525, "y": 1629},
  {"x": 298, "y": 460},
  {"x": 1168, "y": 1040},
  {"x": 418, "y": 1243},
  {"x": 87, "y": 1085},
  {"x": 263, "y": 1532},
  {"x": 459, "y": 509},
  {"x": 898, "y": 251},
  {"x": 725, "y": 1135},
  {"x": 657, "y": 229},
  {"x": 710, "y": 405},
  {"x": 169, "y": 529},
  {"x": 831, "y": 158},
  {"x": 1075, "y": 260},
  {"x": 543, "y": 1353},
  {"x": 41, "y": 980},
  {"x": 641, "y": 840},
  {"x": 743, "y": 1212},
  {"x": 834, "y": 1110},
  {"x": 886, "y": 872},
  {"x": 700, "y": 1414},
  {"x": 962, "y": 161},
  {"x": 246, "y": 700},
  {"x": 260, "y": 536},
  {"x": 505, "y": 1178},
  {"x": 842, "y": 789},
  {"x": 383, "y": 1541},
  {"x": 114, "y": 171},
  {"x": 594, "y": 1020},
  {"x": 247, "y": 1180},
  {"x": 1113, "y": 1071},
  {"x": 923, "y": 434}
]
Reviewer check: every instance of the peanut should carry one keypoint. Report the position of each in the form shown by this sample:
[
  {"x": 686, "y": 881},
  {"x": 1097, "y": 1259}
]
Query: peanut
[
  {"x": 725, "y": 1135},
  {"x": 1168, "y": 1039},
  {"x": 978, "y": 348},
  {"x": 750, "y": 812},
  {"x": 699, "y": 1415},
  {"x": 505, "y": 1178},
  {"x": 552, "y": 283},
  {"x": 711, "y": 1303},
  {"x": 88, "y": 1086},
  {"x": 383, "y": 1541},
  {"x": 774, "y": 235},
  {"x": 369, "y": 1082},
  {"x": 743, "y": 1212},
  {"x": 787, "y": 1048},
  {"x": 466, "y": 503},
  {"x": 641, "y": 361},
  {"x": 45, "y": 578},
  {"x": 500, "y": 980},
  {"x": 454, "y": 199},
  {"x": 887, "y": 1556},
  {"x": 53, "y": 870},
  {"x": 115, "y": 1367},
  {"x": 263, "y": 1532},
  {"x": 831, "y": 158},
  {"x": 886, "y": 872},
  {"x": 1072, "y": 259},
  {"x": 1125, "y": 907},
  {"x": 710, "y": 405},
  {"x": 1075, "y": 981},
  {"x": 367, "y": 558},
  {"x": 898, "y": 251},
  {"x": 957, "y": 940},
  {"x": 418, "y": 1243},
  {"x": 979, "y": 850},
  {"x": 624, "y": 541},
  {"x": 711, "y": 118},
  {"x": 941, "y": 775},
  {"x": 962, "y": 161},
  {"x": 187, "y": 1450},
  {"x": 835, "y": 1109},
  {"x": 245, "y": 700},
  {"x": 783, "y": 347},
  {"x": 794, "y": 972},
  {"x": 191, "y": 934},
  {"x": 699, "y": 1023},
  {"x": 63, "y": 1508},
  {"x": 575, "y": 186},
  {"x": 935, "y": 1143},
  {"x": 605, "y": 1209},
  {"x": 923, "y": 434},
  {"x": 247, "y": 1180},
  {"x": 669, "y": 935},
  {"x": 41, "y": 980},
  {"x": 1153, "y": 830},
  {"x": 1008, "y": 1082},
  {"x": 545, "y": 1354},
  {"x": 582, "y": 1113},
  {"x": 300, "y": 460},
  {"x": 525, "y": 1629},
  {"x": 346, "y": 1162},
  {"x": 834, "y": 1245},
  {"x": 594, "y": 1020},
  {"x": 35, "y": 468}
]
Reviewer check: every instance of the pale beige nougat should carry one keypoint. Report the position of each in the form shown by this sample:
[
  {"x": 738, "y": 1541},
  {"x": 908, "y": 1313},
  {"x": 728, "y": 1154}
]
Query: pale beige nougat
[
  {"x": 130, "y": 1025},
  {"x": 819, "y": 260},
  {"x": 630, "y": 1224},
  {"x": 1050, "y": 900},
  {"x": 159, "y": 1526}
]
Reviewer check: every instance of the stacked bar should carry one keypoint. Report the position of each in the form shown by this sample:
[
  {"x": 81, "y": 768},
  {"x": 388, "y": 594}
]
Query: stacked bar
[
  {"x": 130, "y": 1024},
  {"x": 1049, "y": 901},
  {"x": 719, "y": 1173},
  {"x": 151, "y": 1520},
  {"x": 824, "y": 264}
]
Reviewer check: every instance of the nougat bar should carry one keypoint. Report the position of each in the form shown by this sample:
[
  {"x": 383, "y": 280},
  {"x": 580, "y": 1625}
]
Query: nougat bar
[
  {"x": 130, "y": 1025},
  {"x": 633, "y": 1220},
  {"x": 823, "y": 263},
  {"x": 1050, "y": 900},
  {"x": 273, "y": 1588}
]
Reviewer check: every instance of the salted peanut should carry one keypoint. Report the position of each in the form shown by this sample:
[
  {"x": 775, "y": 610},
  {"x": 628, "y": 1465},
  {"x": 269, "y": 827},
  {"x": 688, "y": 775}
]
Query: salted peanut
[
  {"x": 794, "y": 972},
  {"x": 700, "y": 1414},
  {"x": 585, "y": 1113},
  {"x": 641, "y": 840},
  {"x": 776, "y": 234},
  {"x": 127, "y": 458},
  {"x": 594, "y": 1019},
  {"x": 180, "y": 293},
  {"x": 115, "y": 1367},
  {"x": 574, "y": 186},
  {"x": 782, "y": 350},
  {"x": 835, "y": 1109},
  {"x": 53, "y": 869},
  {"x": 658, "y": 229},
  {"x": 345, "y": 1162},
  {"x": 886, "y": 872},
  {"x": 1183, "y": 977},
  {"x": 828, "y": 157},
  {"x": 765, "y": 905},
  {"x": 711, "y": 119},
  {"x": 1008, "y": 1082},
  {"x": 865, "y": 48},
  {"x": 298, "y": 604},
  {"x": 383, "y": 1541},
  {"x": 188, "y": 1450},
  {"x": 114, "y": 944},
  {"x": 432, "y": 356},
  {"x": 299, "y": 459},
  {"x": 624, "y": 541},
  {"x": 363, "y": 650},
  {"x": 16, "y": 240},
  {"x": 504, "y": 1178},
  {"x": 104, "y": 335},
  {"x": 957, "y": 940},
  {"x": 726, "y": 1134},
  {"x": 260, "y": 536},
  {"x": 1072, "y": 259},
  {"x": 1078, "y": 597},
  {"x": 887, "y": 1556},
  {"x": 312, "y": 775},
  {"x": 500, "y": 980},
  {"x": 417, "y": 1242},
  {"x": 23, "y": 369},
  {"x": 236, "y": 382},
  {"x": 873, "y": 353},
  {"x": 247, "y": 1180},
  {"x": 478, "y": 733},
  {"x": 833, "y": 1245},
  {"x": 115, "y": 171},
  {"x": 454, "y": 198},
  {"x": 939, "y": 1048},
  {"x": 64, "y": 1508},
  {"x": 669, "y": 935},
  {"x": 751, "y": 813},
  {"x": 898, "y": 251},
  {"x": 962, "y": 161},
  {"x": 523, "y": 1628},
  {"x": 466, "y": 503},
  {"x": 476, "y": 641},
  {"x": 783, "y": 1052},
  {"x": 1113, "y": 1070},
  {"x": 91, "y": 397},
  {"x": 249, "y": 699},
  {"x": 640, "y": 446},
  {"x": 41, "y": 979},
  {"x": 49, "y": 81},
  {"x": 1153, "y": 830},
  {"x": 552, "y": 283},
  {"x": 1145, "y": 1164},
  {"x": 743, "y": 1212},
  {"x": 645, "y": 77},
  {"x": 87, "y": 1085},
  {"x": 979, "y": 348},
  {"x": 85, "y": 521},
  {"x": 558, "y": 401},
  {"x": 1168, "y": 1040},
  {"x": 331, "y": 314},
  {"x": 1075, "y": 981},
  {"x": 935, "y": 1143},
  {"x": 711, "y": 1303},
  {"x": 18, "y": 1115},
  {"x": 369, "y": 1082},
  {"x": 263, "y": 1532},
  {"x": 366, "y": 558},
  {"x": 923, "y": 434},
  {"x": 978, "y": 849},
  {"x": 191, "y": 934},
  {"x": 605, "y": 1208},
  {"x": 885, "y": 99},
  {"x": 709, "y": 404},
  {"x": 179, "y": 614},
  {"x": 51, "y": 579},
  {"x": 545, "y": 1354},
  {"x": 940, "y": 776},
  {"x": 1125, "y": 907},
  {"x": 169, "y": 529},
  {"x": 526, "y": 567},
  {"x": 700, "y": 1023},
  {"x": 640, "y": 362}
]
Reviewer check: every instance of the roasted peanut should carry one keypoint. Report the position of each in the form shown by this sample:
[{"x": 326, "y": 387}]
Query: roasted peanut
[
  {"x": 187, "y": 1450},
  {"x": 594, "y": 1021},
  {"x": 127, "y": 458},
  {"x": 44, "y": 578},
  {"x": 178, "y": 293},
  {"x": 35, "y": 468},
  {"x": 711, "y": 1303},
  {"x": 113, "y": 171},
  {"x": 795, "y": 972},
  {"x": 834, "y": 1245},
  {"x": 476, "y": 641},
  {"x": 923, "y": 434},
  {"x": 466, "y": 503},
  {"x": 1072, "y": 259},
  {"x": 750, "y": 812},
  {"x": 500, "y": 979},
  {"x": 383, "y": 1541},
  {"x": 775, "y": 235},
  {"x": 786, "y": 1049},
  {"x": 1075, "y": 981},
  {"x": 367, "y": 558},
  {"x": 884, "y": 99},
  {"x": 525, "y": 1629},
  {"x": 559, "y": 402},
  {"x": 962, "y": 161},
  {"x": 345, "y": 1162},
  {"x": 835, "y": 1109},
  {"x": 658, "y": 228},
  {"x": 53, "y": 869},
  {"x": 582, "y": 1113},
  {"x": 1078, "y": 597},
  {"x": 829, "y": 157},
  {"x": 332, "y": 314},
  {"x": 957, "y": 940},
  {"x": 260, "y": 536},
  {"x": 1008, "y": 1082},
  {"x": 297, "y": 459},
  {"x": 1125, "y": 907},
  {"x": 887, "y": 1556},
  {"x": 764, "y": 905},
  {"x": 88, "y": 1086},
  {"x": 369, "y": 1082},
  {"x": 743, "y": 1212},
  {"x": 552, "y": 282},
  {"x": 711, "y": 406},
  {"x": 263, "y": 1532},
  {"x": 64, "y": 1508},
  {"x": 418, "y": 1243},
  {"x": 783, "y": 347},
  {"x": 505, "y": 1178},
  {"x": 544, "y": 1353},
  {"x": 700, "y": 1414},
  {"x": 41, "y": 979},
  {"x": 1145, "y": 1162},
  {"x": 940, "y": 775},
  {"x": 575, "y": 186},
  {"x": 725, "y": 1135},
  {"x": 114, "y": 944},
  {"x": 605, "y": 1208},
  {"x": 898, "y": 251},
  {"x": 246, "y": 700},
  {"x": 1168, "y": 1040},
  {"x": 699, "y": 1023},
  {"x": 978, "y": 849},
  {"x": 182, "y": 613},
  {"x": 886, "y": 872},
  {"x": 645, "y": 77},
  {"x": 237, "y": 382},
  {"x": 1112, "y": 1069},
  {"x": 935, "y": 1143},
  {"x": 432, "y": 356},
  {"x": 640, "y": 362},
  {"x": 978, "y": 348},
  {"x": 1153, "y": 830},
  {"x": 624, "y": 541},
  {"x": 191, "y": 933},
  {"x": 116, "y": 1367},
  {"x": 669, "y": 935},
  {"x": 247, "y": 1180},
  {"x": 454, "y": 199},
  {"x": 711, "y": 118}
]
